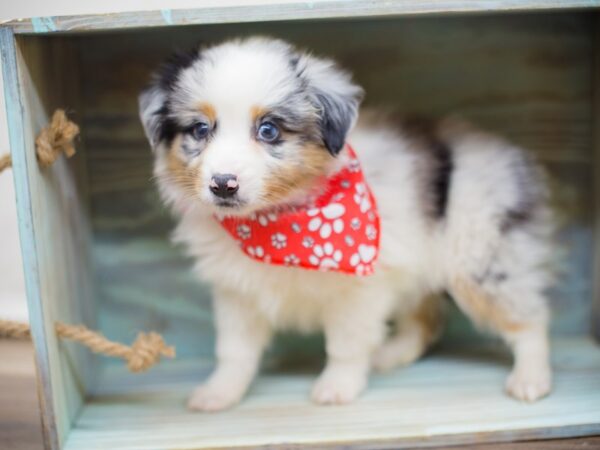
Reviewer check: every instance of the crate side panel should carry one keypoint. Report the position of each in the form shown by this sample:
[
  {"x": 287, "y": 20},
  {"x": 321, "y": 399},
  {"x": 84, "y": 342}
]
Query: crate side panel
[
  {"x": 21, "y": 163},
  {"x": 526, "y": 77},
  {"x": 59, "y": 227}
]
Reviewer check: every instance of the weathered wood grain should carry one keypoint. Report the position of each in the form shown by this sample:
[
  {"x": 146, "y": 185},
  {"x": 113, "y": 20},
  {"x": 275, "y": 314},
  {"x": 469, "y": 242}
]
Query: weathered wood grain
[
  {"x": 452, "y": 397},
  {"x": 314, "y": 9}
]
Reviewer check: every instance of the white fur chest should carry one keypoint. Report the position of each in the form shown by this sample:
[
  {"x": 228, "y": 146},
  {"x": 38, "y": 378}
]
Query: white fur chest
[{"x": 290, "y": 298}]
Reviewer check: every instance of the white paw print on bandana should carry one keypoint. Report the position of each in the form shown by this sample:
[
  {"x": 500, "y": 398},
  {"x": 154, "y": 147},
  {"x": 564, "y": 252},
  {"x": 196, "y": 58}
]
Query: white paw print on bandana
[
  {"x": 256, "y": 252},
  {"x": 338, "y": 197},
  {"x": 264, "y": 219},
  {"x": 278, "y": 240},
  {"x": 361, "y": 197},
  {"x": 308, "y": 242},
  {"x": 326, "y": 257},
  {"x": 354, "y": 166},
  {"x": 243, "y": 231},
  {"x": 291, "y": 260},
  {"x": 365, "y": 255},
  {"x": 330, "y": 222},
  {"x": 371, "y": 232}
]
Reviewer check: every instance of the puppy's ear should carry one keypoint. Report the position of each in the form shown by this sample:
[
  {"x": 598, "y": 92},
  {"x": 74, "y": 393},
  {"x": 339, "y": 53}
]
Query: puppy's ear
[
  {"x": 153, "y": 113},
  {"x": 335, "y": 96},
  {"x": 153, "y": 101}
]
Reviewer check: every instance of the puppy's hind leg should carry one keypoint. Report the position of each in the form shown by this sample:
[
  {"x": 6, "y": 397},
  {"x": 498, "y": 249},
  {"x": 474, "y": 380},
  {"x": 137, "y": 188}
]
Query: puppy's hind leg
[
  {"x": 415, "y": 330},
  {"x": 242, "y": 335},
  {"x": 531, "y": 377},
  {"x": 524, "y": 328}
]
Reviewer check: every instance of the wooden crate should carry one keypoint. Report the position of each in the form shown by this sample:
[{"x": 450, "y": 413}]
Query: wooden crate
[{"x": 95, "y": 237}]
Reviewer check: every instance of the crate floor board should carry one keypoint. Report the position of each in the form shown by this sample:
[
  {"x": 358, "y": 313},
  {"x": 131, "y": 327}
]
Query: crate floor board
[{"x": 452, "y": 396}]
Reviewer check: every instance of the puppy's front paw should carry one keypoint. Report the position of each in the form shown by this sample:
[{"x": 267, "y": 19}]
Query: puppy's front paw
[
  {"x": 337, "y": 389},
  {"x": 529, "y": 385},
  {"x": 212, "y": 398}
]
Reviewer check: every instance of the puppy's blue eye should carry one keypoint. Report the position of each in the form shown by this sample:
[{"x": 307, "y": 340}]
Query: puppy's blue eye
[
  {"x": 268, "y": 132},
  {"x": 200, "y": 130}
]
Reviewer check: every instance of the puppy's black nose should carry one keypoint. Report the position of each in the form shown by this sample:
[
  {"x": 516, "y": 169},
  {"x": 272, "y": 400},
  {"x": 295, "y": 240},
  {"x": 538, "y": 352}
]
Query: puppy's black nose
[{"x": 224, "y": 185}]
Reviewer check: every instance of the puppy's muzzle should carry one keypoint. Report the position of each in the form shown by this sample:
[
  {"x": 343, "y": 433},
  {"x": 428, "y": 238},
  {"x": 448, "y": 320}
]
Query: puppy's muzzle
[{"x": 224, "y": 185}]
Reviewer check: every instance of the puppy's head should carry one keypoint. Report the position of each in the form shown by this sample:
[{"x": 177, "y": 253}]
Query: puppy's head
[{"x": 246, "y": 125}]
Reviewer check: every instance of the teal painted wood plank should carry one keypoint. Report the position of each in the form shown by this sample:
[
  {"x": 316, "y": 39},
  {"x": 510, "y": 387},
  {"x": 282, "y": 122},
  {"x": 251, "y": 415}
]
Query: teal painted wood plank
[
  {"x": 22, "y": 178},
  {"x": 453, "y": 396},
  {"x": 43, "y": 24},
  {"x": 316, "y": 9},
  {"x": 60, "y": 220},
  {"x": 54, "y": 231}
]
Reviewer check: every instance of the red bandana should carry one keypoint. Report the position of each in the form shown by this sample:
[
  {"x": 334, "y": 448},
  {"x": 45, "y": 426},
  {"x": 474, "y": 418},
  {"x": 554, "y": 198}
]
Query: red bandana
[{"x": 336, "y": 231}]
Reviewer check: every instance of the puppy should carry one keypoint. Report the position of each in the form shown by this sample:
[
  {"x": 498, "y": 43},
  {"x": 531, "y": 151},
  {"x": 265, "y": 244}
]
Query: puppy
[{"x": 250, "y": 128}]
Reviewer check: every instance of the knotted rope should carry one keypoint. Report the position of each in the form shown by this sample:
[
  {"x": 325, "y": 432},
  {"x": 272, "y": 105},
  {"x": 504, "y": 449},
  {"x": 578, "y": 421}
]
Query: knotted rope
[
  {"x": 54, "y": 139},
  {"x": 146, "y": 350}
]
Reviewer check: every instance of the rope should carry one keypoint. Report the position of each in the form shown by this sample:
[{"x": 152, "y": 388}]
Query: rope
[
  {"x": 56, "y": 138},
  {"x": 5, "y": 162},
  {"x": 147, "y": 349},
  {"x": 53, "y": 140},
  {"x": 14, "y": 330}
]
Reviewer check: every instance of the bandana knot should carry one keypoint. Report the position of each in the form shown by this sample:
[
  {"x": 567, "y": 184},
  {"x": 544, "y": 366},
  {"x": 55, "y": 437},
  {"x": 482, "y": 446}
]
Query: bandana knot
[{"x": 337, "y": 230}]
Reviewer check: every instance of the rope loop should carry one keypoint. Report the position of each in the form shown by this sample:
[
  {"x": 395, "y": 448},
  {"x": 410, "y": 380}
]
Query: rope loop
[{"x": 53, "y": 140}]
